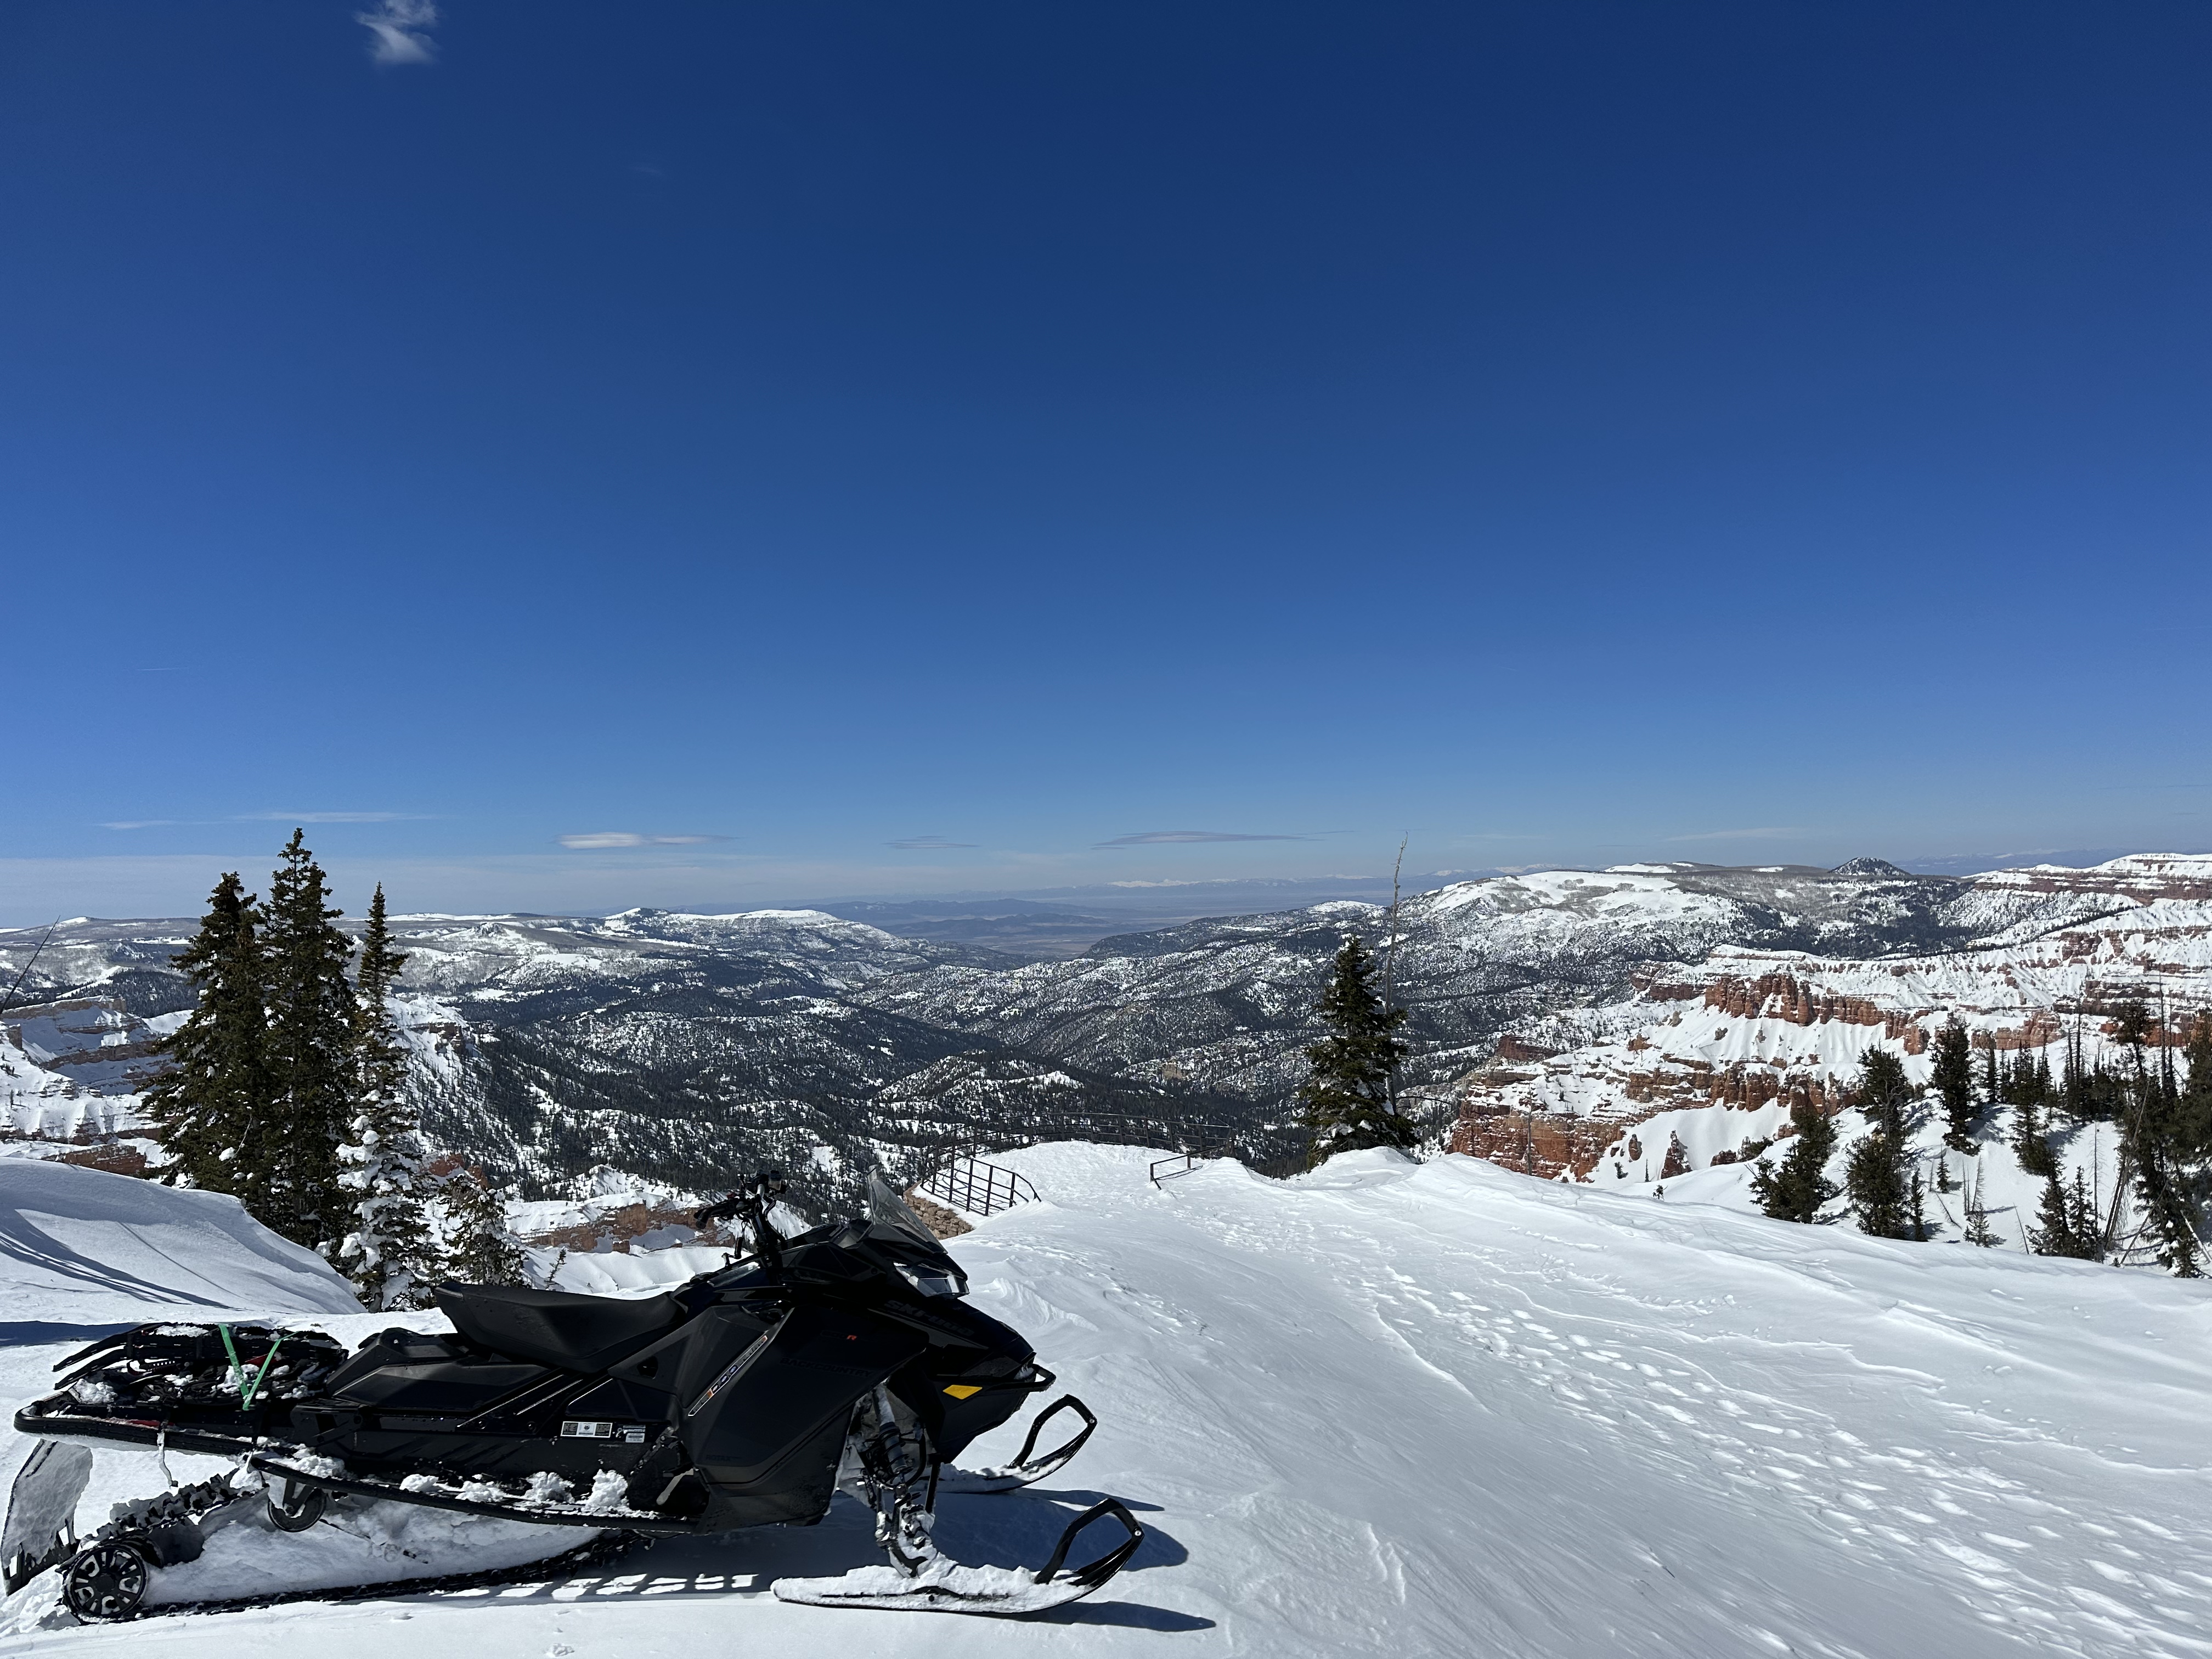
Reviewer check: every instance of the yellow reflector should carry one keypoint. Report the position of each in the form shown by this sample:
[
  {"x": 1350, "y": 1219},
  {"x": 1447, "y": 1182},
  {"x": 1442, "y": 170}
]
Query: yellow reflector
[{"x": 960, "y": 1390}]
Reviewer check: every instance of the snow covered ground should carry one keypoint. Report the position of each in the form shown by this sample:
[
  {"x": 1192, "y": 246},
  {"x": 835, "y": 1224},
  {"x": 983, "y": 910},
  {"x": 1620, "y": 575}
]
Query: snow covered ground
[{"x": 1445, "y": 1409}]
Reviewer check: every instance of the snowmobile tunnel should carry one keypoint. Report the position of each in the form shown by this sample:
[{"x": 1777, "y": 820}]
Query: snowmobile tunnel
[{"x": 566, "y": 1332}]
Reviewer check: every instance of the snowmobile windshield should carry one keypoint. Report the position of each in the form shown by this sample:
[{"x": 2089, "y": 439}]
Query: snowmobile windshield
[{"x": 920, "y": 1258}]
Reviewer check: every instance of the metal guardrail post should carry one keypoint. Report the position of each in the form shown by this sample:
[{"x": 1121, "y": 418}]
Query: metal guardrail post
[{"x": 968, "y": 1183}]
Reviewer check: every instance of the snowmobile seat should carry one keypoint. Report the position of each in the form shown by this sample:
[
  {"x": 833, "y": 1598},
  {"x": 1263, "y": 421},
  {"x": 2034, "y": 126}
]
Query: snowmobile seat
[{"x": 554, "y": 1327}]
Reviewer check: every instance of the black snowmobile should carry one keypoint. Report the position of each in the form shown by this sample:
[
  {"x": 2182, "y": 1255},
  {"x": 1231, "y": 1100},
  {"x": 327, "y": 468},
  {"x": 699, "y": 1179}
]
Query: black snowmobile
[{"x": 842, "y": 1358}]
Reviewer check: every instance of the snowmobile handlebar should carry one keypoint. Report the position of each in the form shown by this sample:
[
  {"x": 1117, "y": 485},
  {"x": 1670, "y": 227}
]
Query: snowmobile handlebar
[{"x": 750, "y": 1205}]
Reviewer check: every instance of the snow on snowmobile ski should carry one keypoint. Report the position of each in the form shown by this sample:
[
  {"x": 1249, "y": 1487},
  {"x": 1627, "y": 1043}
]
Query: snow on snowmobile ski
[{"x": 840, "y": 1360}]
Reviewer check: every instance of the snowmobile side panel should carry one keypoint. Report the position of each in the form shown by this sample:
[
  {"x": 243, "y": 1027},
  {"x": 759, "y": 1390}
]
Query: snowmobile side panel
[
  {"x": 618, "y": 1399},
  {"x": 445, "y": 1388},
  {"x": 816, "y": 1363}
]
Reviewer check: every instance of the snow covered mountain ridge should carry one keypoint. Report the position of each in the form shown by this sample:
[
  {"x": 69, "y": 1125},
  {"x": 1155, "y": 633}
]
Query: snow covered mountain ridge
[
  {"x": 678, "y": 1046},
  {"x": 1702, "y": 1065}
]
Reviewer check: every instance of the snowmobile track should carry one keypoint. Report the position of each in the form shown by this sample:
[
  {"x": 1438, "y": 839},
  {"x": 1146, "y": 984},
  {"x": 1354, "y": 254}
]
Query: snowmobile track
[{"x": 600, "y": 1552}]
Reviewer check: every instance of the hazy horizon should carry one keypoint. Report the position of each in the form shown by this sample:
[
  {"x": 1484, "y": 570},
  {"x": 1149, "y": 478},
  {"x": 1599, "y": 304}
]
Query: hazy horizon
[{"x": 1140, "y": 899}]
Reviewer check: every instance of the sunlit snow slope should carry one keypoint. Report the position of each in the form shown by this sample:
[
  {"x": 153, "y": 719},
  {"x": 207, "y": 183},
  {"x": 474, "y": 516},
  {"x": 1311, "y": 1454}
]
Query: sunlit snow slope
[
  {"x": 1445, "y": 1409},
  {"x": 82, "y": 1249}
]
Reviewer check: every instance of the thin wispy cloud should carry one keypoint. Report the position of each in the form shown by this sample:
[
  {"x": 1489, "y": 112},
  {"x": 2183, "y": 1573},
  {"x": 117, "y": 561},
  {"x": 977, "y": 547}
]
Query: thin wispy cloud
[
  {"x": 928, "y": 844},
  {"x": 1156, "y": 837},
  {"x": 1743, "y": 834},
  {"x": 271, "y": 817},
  {"x": 600, "y": 840},
  {"x": 329, "y": 817},
  {"x": 399, "y": 29}
]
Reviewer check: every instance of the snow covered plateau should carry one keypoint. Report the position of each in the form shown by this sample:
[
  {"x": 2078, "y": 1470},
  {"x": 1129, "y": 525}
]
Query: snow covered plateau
[{"x": 1386, "y": 1408}]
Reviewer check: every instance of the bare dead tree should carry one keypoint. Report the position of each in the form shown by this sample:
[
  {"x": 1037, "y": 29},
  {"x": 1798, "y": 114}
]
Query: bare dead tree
[
  {"x": 1391, "y": 959},
  {"x": 9, "y": 1001}
]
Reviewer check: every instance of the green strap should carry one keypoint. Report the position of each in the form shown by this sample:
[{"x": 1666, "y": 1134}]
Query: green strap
[
  {"x": 261, "y": 1376},
  {"x": 246, "y": 1390}
]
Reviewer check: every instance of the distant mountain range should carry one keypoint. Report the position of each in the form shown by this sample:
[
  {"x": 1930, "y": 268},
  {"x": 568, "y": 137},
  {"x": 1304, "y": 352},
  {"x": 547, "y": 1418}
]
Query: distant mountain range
[{"x": 683, "y": 1047}]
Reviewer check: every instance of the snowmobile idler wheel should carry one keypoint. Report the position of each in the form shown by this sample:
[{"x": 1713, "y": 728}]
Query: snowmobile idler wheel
[
  {"x": 296, "y": 1509},
  {"x": 104, "y": 1582}
]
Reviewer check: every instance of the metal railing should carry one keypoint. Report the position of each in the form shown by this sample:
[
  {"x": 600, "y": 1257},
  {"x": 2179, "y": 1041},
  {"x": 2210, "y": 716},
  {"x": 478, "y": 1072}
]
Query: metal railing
[
  {"x": 980, "y": 1188},
  {"x": 1186, "y": 1161}
]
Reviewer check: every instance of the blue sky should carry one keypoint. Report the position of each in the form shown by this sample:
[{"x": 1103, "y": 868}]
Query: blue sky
[{"x": 813, "y": 449}]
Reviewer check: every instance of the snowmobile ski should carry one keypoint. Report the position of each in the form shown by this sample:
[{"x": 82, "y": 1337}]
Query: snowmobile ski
[
  {"x": 844, "y": 1358},
  {"x": 943, "y": 1585},
  {"x": 1025, "y": 1469}
]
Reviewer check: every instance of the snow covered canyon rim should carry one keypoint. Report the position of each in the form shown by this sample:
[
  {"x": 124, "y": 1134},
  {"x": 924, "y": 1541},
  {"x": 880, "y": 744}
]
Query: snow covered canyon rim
[{"x": 1554, "y": 1010}]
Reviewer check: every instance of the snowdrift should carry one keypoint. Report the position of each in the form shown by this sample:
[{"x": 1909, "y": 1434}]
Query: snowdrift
[
  {"x": 1447, "y": 1410},
  {"x": 84, "y": 1251}
]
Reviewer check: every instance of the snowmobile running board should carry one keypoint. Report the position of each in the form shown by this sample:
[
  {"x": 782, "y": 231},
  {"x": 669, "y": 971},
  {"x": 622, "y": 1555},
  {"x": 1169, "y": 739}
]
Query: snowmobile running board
[{"x": 258, "y": 1457}]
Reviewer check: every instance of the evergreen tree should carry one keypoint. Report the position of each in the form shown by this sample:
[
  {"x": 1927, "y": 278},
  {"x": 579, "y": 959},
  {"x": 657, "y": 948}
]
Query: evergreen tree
[
  {"x": 2153, "y": 1153},
  {"x": 310, "y": 1053},
  {"x": 2192, "y": 1116},
  {"x": 389, "y": 1253},
  {"x": 1953, "y": 1074},
  {"x": 2068, "y": 1224},
  {"x": 1345, "y": 1101},
  {"x": 481, "y": 1249},
  {"x": 1796, "y": 1188},
  {"x": 1978, "y": 1230},
  {"x": 2029, "y": 1144},
  {"x": 1881, "y": 1077},
  {"x": 1880, "y": 1175},
  {"x": 210, "y": 1106}
]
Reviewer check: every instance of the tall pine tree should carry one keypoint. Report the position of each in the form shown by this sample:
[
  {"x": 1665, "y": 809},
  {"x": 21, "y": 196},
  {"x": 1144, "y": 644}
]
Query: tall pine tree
[
  {"x": 389, "y": 1253},
  {"x": 210, "y": 1106},
  {"x": 1953, "y": 1074},
  {"x": 2030, "y": 1145},
  {"x": 2154, "y": 1151},
  {"x": 1882, "y": 1176},
  {"x": 310, "y": 1049},
  {"x": 2192, "y": 1113},
  {"x": 481, "y": 1247},
  {"x": 1796, "y": 1188},
  {"x": 2068, "y": 1221},
  {"x": 1345, "y": 1101}
]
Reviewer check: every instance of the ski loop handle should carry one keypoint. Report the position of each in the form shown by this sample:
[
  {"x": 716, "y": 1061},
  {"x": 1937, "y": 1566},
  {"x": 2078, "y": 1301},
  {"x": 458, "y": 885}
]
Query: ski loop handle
[
  {"x": 1095, "y": 1573},
  {"x": 1066, "y": 1402}
]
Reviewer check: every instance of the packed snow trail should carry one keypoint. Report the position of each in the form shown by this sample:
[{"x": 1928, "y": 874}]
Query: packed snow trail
[
  {"x": 1444, "y": 1409},
  {"x": 1449, "y": 1409}
]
